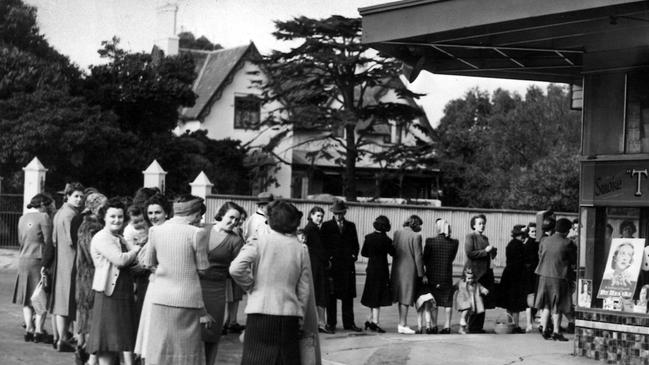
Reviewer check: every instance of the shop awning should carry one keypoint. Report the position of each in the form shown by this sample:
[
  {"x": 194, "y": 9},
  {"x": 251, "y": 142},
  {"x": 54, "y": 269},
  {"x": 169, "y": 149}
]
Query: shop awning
[{"x": 545, "y": 40}]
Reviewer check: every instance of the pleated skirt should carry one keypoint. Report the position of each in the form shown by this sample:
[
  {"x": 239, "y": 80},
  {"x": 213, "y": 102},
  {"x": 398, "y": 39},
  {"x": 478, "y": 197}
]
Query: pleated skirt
[
  {"x": 271, "y": 340},
  {"x": 29, "y": 274}
]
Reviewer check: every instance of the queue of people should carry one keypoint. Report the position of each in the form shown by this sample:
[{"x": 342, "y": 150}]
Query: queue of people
[{"x": 144, "y": 281}]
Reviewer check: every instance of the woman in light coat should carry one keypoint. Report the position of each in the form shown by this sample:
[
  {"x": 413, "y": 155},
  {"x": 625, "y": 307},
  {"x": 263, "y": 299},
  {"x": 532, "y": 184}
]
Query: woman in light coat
[
  {"x": 407, "y": 269},
  {"x": 275, "y": 271}
]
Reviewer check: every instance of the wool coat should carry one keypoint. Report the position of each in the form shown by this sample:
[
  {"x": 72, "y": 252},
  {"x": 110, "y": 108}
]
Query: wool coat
[
  {"x": 64, "y": 239},
  {"x": 376, "y": 248},
  {"x": 342, "y": 248},
  {"x": 407, "y": 266},
  {"x": 319, "y": 262},
  {"x": 511, "y": 291},
  {"x": 439, "y": 254}
]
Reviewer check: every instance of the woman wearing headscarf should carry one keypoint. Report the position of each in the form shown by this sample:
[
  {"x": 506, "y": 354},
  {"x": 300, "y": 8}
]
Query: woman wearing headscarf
[
  {"x": 439, "y": 254},
  {"x": 34, "y": 233},
  {"x": 64, "y": 239},
  {"x": 112, "y": 324},
  {"x": 407, "y": 269},
  {"x": 376, "y": 294},
  {"x": 511, "y": 290},
  {"x": 177, "y": 310},
  {"x": 276, "y": 273},
  {"x": 224, "y": 244},
  {"x": 85, "y": 296}
]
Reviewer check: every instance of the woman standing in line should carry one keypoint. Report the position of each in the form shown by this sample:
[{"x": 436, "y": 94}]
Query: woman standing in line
[
  {"x": 64, "y": 239},
  {"x": 530, "y": 280},
  {"x": 177, "y": 248},
  {"x": 112, "y": 328},
  {"x": 34, "y": 233},
  {"x": 407, "y": 269},
  {"x": 319, "y": 262},
  {"x": 479, "y": 254},
  {"x": 511, "y": 290},
  {"x": 223, "y": 246},
  {"x": 439, "y": 254},
  {"x": 377, "y": 294},
  {"x": 275, "y": 271},
  {"x": 85, "y": 296}
]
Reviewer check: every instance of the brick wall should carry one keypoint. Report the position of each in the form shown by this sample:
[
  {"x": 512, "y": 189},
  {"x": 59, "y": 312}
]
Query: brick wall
[{"x": 612, "y": 338}]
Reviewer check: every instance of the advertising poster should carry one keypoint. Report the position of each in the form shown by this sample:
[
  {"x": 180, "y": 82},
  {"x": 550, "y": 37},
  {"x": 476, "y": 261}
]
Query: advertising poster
[
  {"x": 622, "y": 268},
  {"x": 585, "y": 293}
]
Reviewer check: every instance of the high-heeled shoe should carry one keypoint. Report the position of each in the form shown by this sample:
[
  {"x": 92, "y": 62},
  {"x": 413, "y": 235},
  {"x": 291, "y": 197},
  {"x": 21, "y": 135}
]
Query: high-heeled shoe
[
  {"x": 372, "y": 326},
  {"x": 29, "y": 336},
  {"x": 368, "y": 325}
]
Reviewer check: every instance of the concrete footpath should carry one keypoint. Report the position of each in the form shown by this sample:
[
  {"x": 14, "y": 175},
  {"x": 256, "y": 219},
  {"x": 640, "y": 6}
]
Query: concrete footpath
[{"x": 344, "y": 347}]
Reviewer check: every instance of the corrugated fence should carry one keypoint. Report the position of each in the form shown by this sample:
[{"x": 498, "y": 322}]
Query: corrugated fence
[{"x": 499, "y": 222}]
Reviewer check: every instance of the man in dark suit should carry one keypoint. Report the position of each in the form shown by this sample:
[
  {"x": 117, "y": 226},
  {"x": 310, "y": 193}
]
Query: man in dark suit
[{"x": 341, "y": 243}]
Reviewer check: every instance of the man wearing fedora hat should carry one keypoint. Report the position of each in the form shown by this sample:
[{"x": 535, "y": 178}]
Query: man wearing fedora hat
[
  {"x": 256, "y": 223},
  {"x": 341, "y": 242}
]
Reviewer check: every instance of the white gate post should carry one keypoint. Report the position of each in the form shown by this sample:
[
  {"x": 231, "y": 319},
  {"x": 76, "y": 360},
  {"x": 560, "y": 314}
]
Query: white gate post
[
  {"x": 34, "y": 181},
  {"x": 154, "y": 176},
  {"x": 201, "y": 186}
]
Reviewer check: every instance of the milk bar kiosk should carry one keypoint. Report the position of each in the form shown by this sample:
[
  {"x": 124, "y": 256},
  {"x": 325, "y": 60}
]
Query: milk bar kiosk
[{"x": 601, "y": 49}]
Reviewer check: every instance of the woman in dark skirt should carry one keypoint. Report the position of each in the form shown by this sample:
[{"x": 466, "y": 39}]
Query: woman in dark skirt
[
  {"x": 34, "y": 232},
  {"x": 439, "y": 254},
  {"x": 377, "y": 294},
  {"x": 276, "y": 272},
  {"x": 112, "y": 328},
  {"x": 319, "y": 262},
  {"x": 224, "y": 245},
  {"x": 511, "y": 290}
]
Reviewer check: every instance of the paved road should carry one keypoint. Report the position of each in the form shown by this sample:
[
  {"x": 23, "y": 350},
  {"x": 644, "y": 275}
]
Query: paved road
[{"x": 344, "y": 347}]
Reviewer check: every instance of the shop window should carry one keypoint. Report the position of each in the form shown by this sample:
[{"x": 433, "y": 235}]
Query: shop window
[
  {"x": 613, "y": 267},
  {"x": 247, "y": 112},
  {"x": 637, "y": 112},
  {"x": 603, "y": 114}
]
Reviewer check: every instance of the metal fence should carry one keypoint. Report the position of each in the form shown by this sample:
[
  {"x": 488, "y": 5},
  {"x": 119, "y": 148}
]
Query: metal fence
[
  {"x": 10, "y": 212},
  {"x": 499, "y": 222}
]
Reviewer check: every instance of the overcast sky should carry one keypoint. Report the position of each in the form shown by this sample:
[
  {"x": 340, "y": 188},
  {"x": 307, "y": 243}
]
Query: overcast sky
[{"x": 77, "y": 27}]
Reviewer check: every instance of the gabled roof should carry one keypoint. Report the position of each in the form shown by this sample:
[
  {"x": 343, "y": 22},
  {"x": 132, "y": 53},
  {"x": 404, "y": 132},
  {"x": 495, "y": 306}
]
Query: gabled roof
[{"x": 215, "y": 69}]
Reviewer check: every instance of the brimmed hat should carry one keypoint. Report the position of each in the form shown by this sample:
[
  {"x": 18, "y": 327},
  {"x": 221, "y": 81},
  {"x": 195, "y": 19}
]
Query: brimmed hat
[
  {"x": 338, "y": 207},
  {"x": 94, "y": 201},
  {"x": 265, "y": 198},
  {"x": 518, "y": 230}
]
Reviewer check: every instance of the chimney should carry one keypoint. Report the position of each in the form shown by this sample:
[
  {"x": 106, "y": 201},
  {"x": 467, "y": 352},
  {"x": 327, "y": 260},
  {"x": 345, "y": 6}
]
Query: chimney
[{"x": 166, "y": 38}]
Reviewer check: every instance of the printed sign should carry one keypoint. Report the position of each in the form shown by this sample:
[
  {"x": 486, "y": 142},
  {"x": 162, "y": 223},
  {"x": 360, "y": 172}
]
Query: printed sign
[
  {"x": 622, "y": 268},
  {"x": 585, "y": 295}
]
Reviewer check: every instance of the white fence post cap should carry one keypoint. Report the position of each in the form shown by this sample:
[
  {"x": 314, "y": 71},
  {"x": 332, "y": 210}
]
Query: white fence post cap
[
  {"x": 154, "y": 168},
  {"x": 201, "y": 180},
  {"x": 34, "y": 165}
]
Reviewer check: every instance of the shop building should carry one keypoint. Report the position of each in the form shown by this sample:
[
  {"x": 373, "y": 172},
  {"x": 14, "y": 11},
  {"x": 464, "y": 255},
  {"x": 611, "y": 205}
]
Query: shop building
[{"x": 601, "y": 49}]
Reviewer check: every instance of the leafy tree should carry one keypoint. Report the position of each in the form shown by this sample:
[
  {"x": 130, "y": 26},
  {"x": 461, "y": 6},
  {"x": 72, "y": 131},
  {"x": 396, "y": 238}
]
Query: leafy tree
[
  {"x": 324, "y": 85},
  {"x": 188, "y": 40},
  {"x": 506, "y": 151}
]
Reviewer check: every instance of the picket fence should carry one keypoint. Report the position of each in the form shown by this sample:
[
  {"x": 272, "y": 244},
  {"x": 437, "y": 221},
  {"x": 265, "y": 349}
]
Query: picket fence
[{"x": 499, "y": 222}]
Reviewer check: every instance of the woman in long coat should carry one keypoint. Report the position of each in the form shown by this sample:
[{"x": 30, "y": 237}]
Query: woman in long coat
[
  {"x": 407, "y": 269},
  {"x": 376, "y": 294},
  {"x": 34, "y": 233},
  {"x": 85, "y": 296},
  {"x": 511, "y": 291},
  {"x": 319, "y": 262},
  {"x": 439, "y": 254},
  {"x": 479, "y": 254},
  {"x": 64, "y": 239},
  {"x": 530, "y": 279}
]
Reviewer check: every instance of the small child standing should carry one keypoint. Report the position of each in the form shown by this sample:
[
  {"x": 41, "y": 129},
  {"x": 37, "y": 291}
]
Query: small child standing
[
  {"x": 426, "y": 306},
  {"x": 469, "y": 297}
]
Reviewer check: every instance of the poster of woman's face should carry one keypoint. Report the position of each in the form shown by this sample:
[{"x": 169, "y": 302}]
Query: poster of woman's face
[{"x": 622, "y": 268}]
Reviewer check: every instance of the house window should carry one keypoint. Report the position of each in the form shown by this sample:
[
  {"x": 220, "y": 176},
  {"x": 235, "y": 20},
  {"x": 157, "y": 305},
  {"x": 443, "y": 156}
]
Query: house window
[{"x": 247, "y": 111}]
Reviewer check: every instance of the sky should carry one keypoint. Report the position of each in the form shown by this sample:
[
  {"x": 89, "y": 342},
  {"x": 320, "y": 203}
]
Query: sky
[{"x": 77, "y": 27}]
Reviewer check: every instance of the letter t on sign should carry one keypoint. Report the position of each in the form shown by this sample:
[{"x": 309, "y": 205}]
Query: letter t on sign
[{"x": 638, "y": 185}]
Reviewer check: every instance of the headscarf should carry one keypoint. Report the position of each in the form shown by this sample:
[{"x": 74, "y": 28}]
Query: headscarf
[
  {"x": 443, "y": 227},
  {"x": 188, "y": 207},
  {"x": 94, "y": 201}
]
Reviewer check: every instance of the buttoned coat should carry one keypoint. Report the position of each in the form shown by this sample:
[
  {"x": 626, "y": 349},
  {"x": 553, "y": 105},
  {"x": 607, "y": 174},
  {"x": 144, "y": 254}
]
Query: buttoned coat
[
  {"x": 342, "y": 247},
  {"x": 407, "y": 266},
  {"x": 477, "y": 257},
  {"x": 556, "y": 254}
]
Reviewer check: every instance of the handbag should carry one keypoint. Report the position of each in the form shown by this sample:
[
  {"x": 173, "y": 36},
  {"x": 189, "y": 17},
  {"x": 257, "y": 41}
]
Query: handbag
[{"x": 39, "y": 298}]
